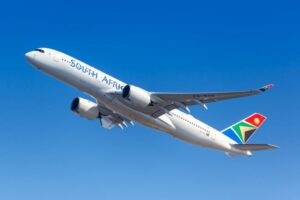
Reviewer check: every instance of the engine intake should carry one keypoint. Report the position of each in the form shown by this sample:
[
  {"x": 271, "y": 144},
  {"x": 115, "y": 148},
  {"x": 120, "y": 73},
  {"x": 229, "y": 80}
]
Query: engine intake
[
  {"x": 137, "y": 96},
  {"x": 85, "y": 108}
]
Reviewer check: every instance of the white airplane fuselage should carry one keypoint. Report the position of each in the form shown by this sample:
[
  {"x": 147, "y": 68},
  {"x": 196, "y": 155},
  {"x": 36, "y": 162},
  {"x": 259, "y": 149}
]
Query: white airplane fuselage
[{"x": 100, "y": 86}]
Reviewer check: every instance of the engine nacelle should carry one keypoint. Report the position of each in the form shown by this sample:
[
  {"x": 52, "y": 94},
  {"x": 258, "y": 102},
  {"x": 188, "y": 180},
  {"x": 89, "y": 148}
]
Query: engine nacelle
[
  {"x": 137, "y": 96},
  {"x": 85, "y": 108}
]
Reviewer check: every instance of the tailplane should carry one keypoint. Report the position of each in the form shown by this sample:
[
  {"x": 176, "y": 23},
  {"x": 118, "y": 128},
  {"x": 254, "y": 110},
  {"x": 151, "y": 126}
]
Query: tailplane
[
  {"x": 246, "y": 149},
  {"x": 242, "y": 131},
  {"x": 254, "y": 147}
]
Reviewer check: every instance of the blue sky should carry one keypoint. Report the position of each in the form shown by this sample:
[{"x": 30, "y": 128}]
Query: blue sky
[{"x": 47, "y": 152}]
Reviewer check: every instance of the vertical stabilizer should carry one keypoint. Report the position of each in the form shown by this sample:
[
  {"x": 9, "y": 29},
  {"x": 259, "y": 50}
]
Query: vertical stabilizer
[{"x": 242, "y": 131}]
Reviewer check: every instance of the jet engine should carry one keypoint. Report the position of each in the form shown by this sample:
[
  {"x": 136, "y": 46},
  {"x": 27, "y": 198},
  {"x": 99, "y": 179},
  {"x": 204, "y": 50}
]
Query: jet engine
[
  {"x": 137, "y": 96},
  {"x": 85, "y": 108}
]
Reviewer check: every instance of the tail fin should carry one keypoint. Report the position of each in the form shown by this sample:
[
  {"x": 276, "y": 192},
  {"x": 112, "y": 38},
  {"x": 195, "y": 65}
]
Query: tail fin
[{"x": 242, "y": 131}]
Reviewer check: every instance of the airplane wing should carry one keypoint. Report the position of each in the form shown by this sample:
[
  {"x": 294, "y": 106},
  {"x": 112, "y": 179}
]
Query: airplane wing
[
  {"x": 165, "y": 102},
  {"x": 109, "y": 119},
  {"x": 188, "y": 99}
]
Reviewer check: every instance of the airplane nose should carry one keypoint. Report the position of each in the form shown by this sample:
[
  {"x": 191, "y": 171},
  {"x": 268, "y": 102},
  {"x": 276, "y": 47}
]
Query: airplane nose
[{"x": 30, "y": 56}]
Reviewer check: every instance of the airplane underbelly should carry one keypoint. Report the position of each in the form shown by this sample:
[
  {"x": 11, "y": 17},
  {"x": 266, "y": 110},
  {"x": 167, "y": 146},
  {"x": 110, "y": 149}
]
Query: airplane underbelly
[
  {"x": 166, "y": 123},
  {"x": 194, "y": 136},
  {"x": 144, "y": 119}
]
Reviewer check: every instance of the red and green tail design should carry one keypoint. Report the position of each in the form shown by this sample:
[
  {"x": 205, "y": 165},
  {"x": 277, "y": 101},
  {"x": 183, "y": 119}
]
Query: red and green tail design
[{"x": 242, "y": 131}]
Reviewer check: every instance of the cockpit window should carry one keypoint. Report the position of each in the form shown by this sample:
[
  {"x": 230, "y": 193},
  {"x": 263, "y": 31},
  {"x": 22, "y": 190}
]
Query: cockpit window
[{"x": 40, "y": 50}]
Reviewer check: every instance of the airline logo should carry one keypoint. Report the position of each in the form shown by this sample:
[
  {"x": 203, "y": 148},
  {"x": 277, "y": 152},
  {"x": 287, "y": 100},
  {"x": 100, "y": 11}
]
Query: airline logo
[
  {"x": 242, "y": 131},
  {"x": 92, "y": 73},
  {"x": 263, "y": 89},
  {"x": 84, "y": 69},
  {"x": 112, "y": 83}
]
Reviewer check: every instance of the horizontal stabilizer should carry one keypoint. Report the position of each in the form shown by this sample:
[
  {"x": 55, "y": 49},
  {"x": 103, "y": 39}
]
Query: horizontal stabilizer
[
  {"x": 232, "y": 155},
  {"x": 254, "y": 147}
]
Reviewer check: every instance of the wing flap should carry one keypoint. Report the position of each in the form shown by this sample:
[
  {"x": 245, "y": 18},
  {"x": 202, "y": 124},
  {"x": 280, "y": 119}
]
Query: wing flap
[{"x": 109, "y": 118}]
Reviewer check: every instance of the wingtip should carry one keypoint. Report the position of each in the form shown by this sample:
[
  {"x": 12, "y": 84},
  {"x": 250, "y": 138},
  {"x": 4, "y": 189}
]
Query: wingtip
[
  {"x": 267, "y": 87},
  {"x": 274, "y": 146}
]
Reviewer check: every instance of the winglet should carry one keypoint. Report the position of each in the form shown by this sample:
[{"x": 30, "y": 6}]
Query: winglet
[{"x": 265, "y": 88}]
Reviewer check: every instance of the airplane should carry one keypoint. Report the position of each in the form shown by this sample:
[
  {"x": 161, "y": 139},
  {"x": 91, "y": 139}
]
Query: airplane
[{"x": 119, "y": 104}]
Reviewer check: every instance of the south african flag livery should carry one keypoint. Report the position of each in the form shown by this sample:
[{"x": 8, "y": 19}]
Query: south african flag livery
[
  {"x": 242, "y": 131},
  {"x": 265, "y": 88}
]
